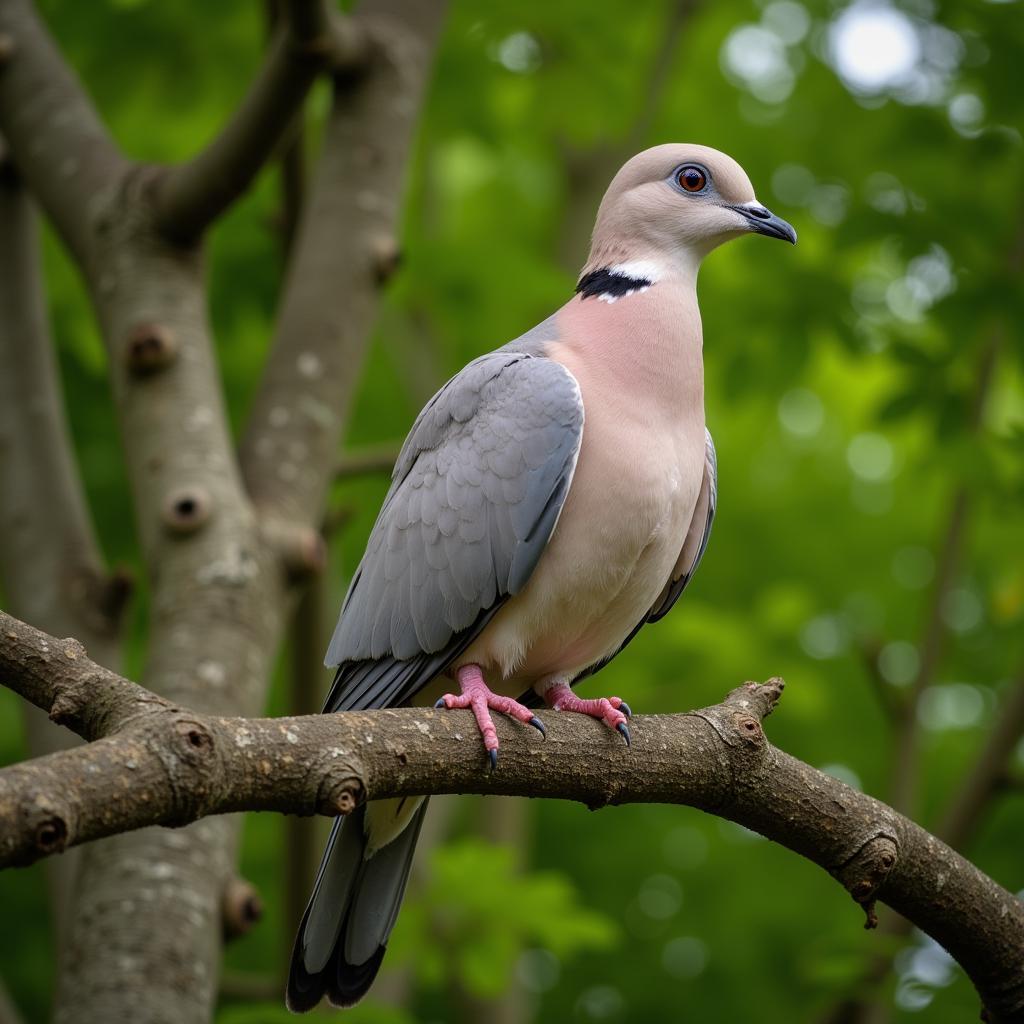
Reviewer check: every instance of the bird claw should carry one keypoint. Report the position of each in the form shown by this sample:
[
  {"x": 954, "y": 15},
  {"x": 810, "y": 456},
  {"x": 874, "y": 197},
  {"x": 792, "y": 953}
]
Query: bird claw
[
  {"x": 613, "y": 711},
  {"x": 477, "y": 696}
]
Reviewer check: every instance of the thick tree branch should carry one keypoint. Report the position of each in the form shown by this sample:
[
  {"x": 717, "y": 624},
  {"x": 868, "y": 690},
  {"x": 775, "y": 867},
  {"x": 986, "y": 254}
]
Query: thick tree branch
[
  {"x": 51, "y": 571},
  {"x": 58, "y": 141},
  {"x": 190, "y": 196},
  {"x": 219, "y": 592},
  {"x": 50, "y": 565},
  {"x": 330, "y": 297},
  {"x": 169, "y": 765}
]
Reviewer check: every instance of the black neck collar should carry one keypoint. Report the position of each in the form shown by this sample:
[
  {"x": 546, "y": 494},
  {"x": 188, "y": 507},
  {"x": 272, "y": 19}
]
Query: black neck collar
[{"x": 609, "y": 283}]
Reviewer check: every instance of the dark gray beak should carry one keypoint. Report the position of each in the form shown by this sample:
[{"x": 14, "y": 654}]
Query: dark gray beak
[{"x": 764, "y": 222}]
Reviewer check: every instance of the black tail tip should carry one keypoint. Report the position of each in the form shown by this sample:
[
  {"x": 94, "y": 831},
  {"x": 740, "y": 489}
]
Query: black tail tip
[
  {"x": 343, "y": 983},
  {"x": 350, "y": 982}
]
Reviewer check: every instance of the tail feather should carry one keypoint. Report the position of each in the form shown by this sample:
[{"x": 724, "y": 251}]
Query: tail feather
[{"x": 344, "y": 931}]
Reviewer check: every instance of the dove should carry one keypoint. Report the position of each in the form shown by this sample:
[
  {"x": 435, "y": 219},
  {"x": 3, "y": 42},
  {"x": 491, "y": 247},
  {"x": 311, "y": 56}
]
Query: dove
[{"x": 552, "y": 498}]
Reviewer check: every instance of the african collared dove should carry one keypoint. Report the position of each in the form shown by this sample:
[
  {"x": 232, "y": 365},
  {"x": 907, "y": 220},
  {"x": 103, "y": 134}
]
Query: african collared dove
[{"x": 551, "y": 498}]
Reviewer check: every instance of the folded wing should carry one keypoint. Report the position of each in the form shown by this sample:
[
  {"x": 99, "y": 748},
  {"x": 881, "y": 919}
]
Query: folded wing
[{"x": 475, "y": 495}]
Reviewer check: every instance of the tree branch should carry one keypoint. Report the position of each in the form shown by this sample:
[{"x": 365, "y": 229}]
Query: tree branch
[
  {"x": 168, "y": 765},
  {"x": 51, "y": 570},
  {"x": 190, "y": 196},
  {"x": 57, "y": 139},
  {"x": 50, "y": 565},
  {"x": 330, "y": 297}
]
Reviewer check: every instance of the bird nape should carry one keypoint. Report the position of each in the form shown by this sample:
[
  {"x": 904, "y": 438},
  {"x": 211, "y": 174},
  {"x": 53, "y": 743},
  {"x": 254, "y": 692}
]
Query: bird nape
[{"x": 552, "y": 498}]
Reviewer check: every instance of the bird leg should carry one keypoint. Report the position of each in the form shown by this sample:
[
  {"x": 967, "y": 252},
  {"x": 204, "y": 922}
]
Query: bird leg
[
  {"x": 477, "y": 695},
  {"x": 613, "y": 711}
]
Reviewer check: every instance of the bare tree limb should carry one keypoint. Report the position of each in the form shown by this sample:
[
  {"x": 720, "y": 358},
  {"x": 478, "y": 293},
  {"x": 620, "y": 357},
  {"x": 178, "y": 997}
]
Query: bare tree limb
[
  {"x": 330, "y": 296},
  {"x": 50, "y": 564},
  {"x": 220, "y": 578},
  {"x": 190, "y": 196},
  {"x": 58, "y": 141},
  {"x": 51, "y": 570},
  {"x": 168, "y": 765}
]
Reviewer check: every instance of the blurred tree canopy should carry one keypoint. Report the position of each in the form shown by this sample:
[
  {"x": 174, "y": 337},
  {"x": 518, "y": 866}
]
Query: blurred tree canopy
[{"x": 859, "y": 388}]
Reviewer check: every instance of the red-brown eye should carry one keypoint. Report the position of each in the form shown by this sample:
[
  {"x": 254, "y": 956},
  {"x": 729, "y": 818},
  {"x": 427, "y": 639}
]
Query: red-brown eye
[{"x": 691, "y": 179}]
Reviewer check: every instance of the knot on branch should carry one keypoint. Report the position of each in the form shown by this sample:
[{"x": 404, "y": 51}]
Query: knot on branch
[
  {"x": 150, "y": 347},
  {"x": 737, "y": 720},
  {"x": 186, "y": 510},
  {"x": 866, "y": 871},
  {"x": 341, "y": 789},
  {"x": 190, "y": 761},
  {"x": 71, "y": 702},
  {"x": 386, "y": 257},
  {"x": 51, "y": 834},
  {"x": 103, "y": 597},
  {"x": 301, "y": 550},
  {"x": 759, "y": 699},
  {"x": 241, "y": 908},
  {"x": 348, "y": 46},
  {"x": 47, "y": 829}
]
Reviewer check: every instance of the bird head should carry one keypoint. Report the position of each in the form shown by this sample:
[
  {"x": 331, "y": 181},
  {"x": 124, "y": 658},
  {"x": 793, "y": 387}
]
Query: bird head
[{"x": 678, "y": 202}]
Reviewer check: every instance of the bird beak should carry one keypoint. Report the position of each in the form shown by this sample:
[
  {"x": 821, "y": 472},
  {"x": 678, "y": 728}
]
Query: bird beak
[{"x": 764, "y": 222}]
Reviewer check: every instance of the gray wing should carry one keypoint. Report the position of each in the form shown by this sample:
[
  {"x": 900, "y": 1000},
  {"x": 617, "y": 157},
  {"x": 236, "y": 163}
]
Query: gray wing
[
  {"x": 694, "y": 545},
  {"x": 475, "y": 495}
]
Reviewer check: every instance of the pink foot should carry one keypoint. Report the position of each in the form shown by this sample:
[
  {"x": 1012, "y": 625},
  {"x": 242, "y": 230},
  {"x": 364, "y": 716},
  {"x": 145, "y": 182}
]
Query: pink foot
[
  {"x": 477, "y": 695},
  {"x": 613, "y": 711}
]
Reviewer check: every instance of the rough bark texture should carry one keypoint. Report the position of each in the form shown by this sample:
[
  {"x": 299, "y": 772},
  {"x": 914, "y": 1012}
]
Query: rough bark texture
[
  {"x": 51, "y": 571},
  {"x": 157, "y": 763},
  {"x": 330, "y": 296},
  {"x": 148, "y": 903}
]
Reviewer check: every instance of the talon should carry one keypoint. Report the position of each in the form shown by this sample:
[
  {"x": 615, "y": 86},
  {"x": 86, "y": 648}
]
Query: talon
[
  {"x": 624, "y": 729},
  {"x": 492, "y": 756},
  {"x": 439, "y": 703},
  {"x": 538, "y": 725},
  {"x": 625, "y": 709}
]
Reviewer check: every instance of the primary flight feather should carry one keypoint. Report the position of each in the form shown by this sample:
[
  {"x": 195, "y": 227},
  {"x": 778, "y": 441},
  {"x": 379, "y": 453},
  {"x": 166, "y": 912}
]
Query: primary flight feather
[{"x": 552, "y": 498}]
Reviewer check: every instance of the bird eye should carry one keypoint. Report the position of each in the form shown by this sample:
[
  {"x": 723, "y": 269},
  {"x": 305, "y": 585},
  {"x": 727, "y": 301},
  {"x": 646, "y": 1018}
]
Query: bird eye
[{"x": 691, "y": 178}]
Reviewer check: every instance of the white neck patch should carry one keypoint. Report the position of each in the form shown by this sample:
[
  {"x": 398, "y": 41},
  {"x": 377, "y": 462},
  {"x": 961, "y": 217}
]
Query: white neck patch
[
  {"x": 638, "y": 269},
  {"x": 644, "y": 272}
]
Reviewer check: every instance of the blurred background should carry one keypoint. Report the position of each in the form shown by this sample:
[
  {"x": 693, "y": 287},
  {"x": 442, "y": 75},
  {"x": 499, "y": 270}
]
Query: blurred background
[{"x": 866, "y": 394}]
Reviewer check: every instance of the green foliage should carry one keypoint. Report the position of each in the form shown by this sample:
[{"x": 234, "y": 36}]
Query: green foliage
[
  {"x": 840, "y": 379},
  {"x": 477, "y": 912}
]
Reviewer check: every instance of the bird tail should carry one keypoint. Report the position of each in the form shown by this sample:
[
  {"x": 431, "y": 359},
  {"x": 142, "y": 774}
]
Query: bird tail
[{"x": 355, "y": 901}]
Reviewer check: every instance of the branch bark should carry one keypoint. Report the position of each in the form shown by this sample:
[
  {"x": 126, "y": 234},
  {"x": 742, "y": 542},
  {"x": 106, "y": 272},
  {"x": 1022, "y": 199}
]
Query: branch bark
[
  {"x": 330, "y": 297},
  {"x": 162, "y": 764},
  {"x": 190, "y": 196},
  {"x": 51, "y": 569},
  {"x": 220, "y": 586},
  {"x": 59, "y": 143}
]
